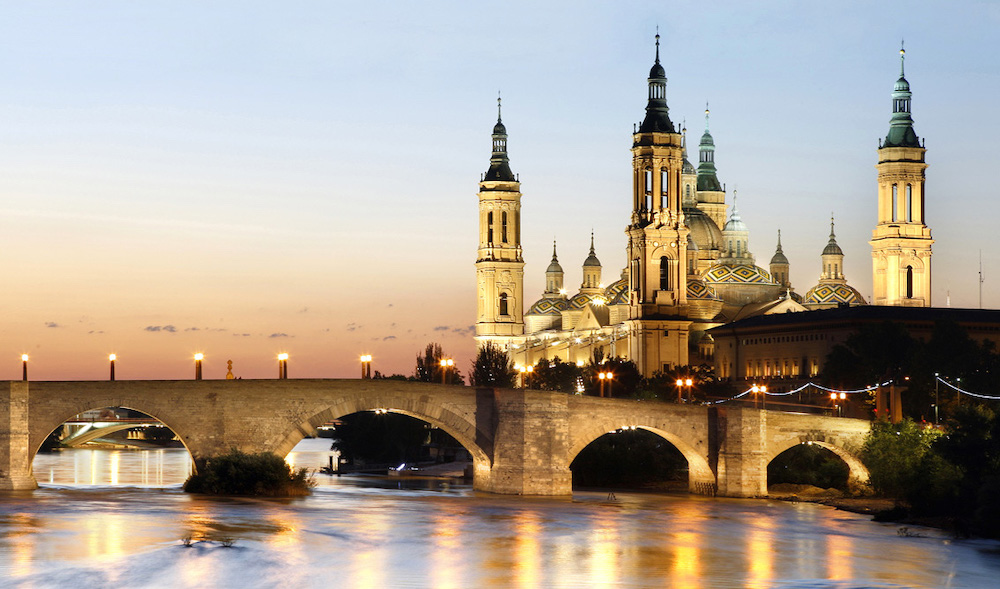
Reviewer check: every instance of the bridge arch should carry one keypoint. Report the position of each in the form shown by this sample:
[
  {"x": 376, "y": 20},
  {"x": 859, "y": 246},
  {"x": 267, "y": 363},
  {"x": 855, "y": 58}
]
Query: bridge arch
[
  {"x": 436, "y": 414},
  {"x": 47, "y": 423},
  {"x": 701, "y": 478},
  {"x": 857, "y": 471}
]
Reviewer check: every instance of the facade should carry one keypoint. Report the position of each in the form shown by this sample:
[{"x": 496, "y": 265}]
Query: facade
[
  {"x": 688, "y": 267},
  {"x": 793, "y": 346}
]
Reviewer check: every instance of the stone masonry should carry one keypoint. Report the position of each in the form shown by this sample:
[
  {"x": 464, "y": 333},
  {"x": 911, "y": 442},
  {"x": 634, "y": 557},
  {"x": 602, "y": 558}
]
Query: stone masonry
[{"x": 522, "y": 441}]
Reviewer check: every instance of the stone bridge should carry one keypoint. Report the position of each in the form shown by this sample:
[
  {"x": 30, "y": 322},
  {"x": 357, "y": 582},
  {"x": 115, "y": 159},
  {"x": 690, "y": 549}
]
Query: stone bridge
[{"x": 521, "y": 441}]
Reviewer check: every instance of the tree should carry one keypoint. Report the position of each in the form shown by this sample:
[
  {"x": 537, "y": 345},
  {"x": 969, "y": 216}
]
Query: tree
[
  {"x": 893, "y": 454},
  {"x": 493, "y": 368},
  {"x": 429, "y": 367},
  {"x": 556, "y": 375}
]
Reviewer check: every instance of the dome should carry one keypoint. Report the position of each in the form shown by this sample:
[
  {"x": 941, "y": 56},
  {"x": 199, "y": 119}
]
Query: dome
[
  {"x": 554, "y": 266},
  {"x": 617, "y": 293},
  {"x": 832, "y": 249},
  {"x": 703, "y": 229},
  {"x": 735, "y": 223},
  {"x": 548, "y": 307},
  {"x": 581, "y": 300},
  {"x": 698, "y": 290},
  {"x": 902, "y": 85},
  {"x": 592, "y": 260},
  {"x": 722, "y": 273},
  {"x": 687, "y": 167},
  {"x": 779, "y": 258},
  {"x": 657, "y": 71},
  {"x": 833, "y": 294},
  {"x": 499, "y": 129}
]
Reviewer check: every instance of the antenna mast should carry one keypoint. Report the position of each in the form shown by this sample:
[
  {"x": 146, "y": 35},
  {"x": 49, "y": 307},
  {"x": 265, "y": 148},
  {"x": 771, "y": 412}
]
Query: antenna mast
[{"x": 980, "y": 279}]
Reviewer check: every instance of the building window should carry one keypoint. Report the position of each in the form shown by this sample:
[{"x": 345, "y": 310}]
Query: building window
[
  {"x": 648, "y": 188},
  {"x": 909, "y": 282},
  {"x": 503, "y": 226},
  {"x": 664, "y": 189},
  {"x": 895, "y": 203},
  {"x": 909, "y": 203},
  {"x": 489, "y": 227},
  {"x": 503, "y": 304},
  {"x": 664, "y": 273}
]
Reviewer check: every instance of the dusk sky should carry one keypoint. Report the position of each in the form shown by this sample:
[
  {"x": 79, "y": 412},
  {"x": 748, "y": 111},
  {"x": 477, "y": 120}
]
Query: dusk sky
[{"x": 248, "y": 178}]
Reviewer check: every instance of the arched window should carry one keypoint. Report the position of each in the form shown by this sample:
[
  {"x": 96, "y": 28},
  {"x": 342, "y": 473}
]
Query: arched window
[
  {"x": 909, "y": 203},
  {"x": 664, "y": 189},
  {"x": 489, "y": 227},
  {"x": 894, "y": 203},
  {"x": 648, "y": 186},
  {"x": 909, "y": 282},
  {"x": 503, "y": 304},
  {"x": 503, "y": 226},
  {"x": 664, "y": 273}
]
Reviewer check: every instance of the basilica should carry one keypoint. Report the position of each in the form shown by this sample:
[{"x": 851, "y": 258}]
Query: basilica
[{"x": 689, "y": 267}]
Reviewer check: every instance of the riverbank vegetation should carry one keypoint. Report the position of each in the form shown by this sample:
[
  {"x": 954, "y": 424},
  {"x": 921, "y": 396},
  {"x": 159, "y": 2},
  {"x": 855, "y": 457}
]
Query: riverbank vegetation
[
  {"x": 241, "y": 474},
  {"x": 950, "y": 479}
]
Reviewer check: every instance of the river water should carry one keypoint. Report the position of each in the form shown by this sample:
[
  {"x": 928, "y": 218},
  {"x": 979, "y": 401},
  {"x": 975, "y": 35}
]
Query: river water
[{"x": 119, "y": 519}]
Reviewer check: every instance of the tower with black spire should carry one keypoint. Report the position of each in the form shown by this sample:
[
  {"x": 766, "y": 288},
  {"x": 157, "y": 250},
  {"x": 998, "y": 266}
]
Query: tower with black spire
[
  {"x": 901, "y": 242},
  {"x": 657, "y": 237},
  {"x": 499, "y": 265}
]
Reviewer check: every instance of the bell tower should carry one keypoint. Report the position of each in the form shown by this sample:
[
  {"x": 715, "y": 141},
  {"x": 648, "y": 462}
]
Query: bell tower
[
  {"x": 499, "y": 265},
  {"x": 901, "y": 241},
  {"x": 657, "y": 237}
]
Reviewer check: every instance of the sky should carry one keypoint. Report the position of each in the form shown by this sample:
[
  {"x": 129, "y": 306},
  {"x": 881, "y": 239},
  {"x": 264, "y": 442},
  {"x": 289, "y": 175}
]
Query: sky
[{"x": 248, "y": 178}]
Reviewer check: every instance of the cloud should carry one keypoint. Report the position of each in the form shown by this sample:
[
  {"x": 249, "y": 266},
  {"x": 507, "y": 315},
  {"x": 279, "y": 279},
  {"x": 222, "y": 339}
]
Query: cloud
[
  {"x": 353, "y": 326},
  {"x": 304, "y": 310},
  {"x": 92, "y": 331},
  {"x": 191, "y": 329},
  {"x": 279, "y": 335},
  {"x": 442, "y": 328},
  {"x": 167, "y": 328},
  {"x": 468, "y": 330},
  {"x": 241, "y": 335},
  {"x": 389, "y": 305},
  {"x": 52, "y": 324},
  {"x": 388, "y": 337}
]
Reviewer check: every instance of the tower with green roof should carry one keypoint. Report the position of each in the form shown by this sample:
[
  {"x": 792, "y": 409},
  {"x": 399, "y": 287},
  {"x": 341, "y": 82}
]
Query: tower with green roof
[
  {"x": 499, "y": 265},
  {"x": 901, "y": 241},
  {"x": 711, "y": 195}
]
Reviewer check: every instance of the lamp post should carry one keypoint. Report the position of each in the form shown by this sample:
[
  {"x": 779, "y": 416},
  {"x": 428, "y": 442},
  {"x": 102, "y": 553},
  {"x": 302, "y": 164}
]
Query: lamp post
[
  {"x": 446, "y": 364},
  {"x": 606, "y": 377},
  {"x": 366, "y": 366},
  {"x": 759, "y": 392},
  {"x": 24, "y": 367},
  {"x": 112, "y": 358},
  {"x": 282, "y": 365},
  {"x": 689, "y": 383},
  {"x": 680, "y": 396},
  {"x": 937, "y": 397},
  {"x": 197, "y": 365}
]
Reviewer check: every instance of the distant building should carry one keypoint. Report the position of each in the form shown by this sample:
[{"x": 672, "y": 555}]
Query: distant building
[{"x": 688, "y": 266}]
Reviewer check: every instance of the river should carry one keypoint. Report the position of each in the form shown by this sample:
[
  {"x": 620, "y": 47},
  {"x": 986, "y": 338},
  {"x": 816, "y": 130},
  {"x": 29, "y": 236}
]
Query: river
[{"x": 106, "y": 518}]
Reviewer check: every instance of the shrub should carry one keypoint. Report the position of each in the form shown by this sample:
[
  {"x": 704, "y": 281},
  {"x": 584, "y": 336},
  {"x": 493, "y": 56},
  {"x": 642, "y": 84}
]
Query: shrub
[{"x": 239, "y": 473}]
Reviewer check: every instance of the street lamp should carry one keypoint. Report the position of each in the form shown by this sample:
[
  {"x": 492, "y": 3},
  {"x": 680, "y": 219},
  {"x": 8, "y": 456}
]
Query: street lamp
[
  {"x": 366, "y": 366},
  {"x": 24, "y": 367},
  {"x": 446, "y": 364},
  {"x": 197, "y": 365},
  {"x": 112, "y": 358},
  {"x": 282, "y": 365},
  {"x": 606, "y": 377},
  {"x": 937, "y": 397},
  {"x": 762, "y": 390},
  {"x": 684, "y": 382}
]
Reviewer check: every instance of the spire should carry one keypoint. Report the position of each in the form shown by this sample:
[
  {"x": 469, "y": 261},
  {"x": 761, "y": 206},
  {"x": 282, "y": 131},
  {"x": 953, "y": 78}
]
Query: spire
[
  {"x": 554, "y": 274},
  {"x": 657, "y": 114},
  {"x": 779, "y": 256},
  {"x": 554, "y": 258},
  {"x": 499, "y": 164},
  {"x": 832, "y": 249},
  {"x": 592, "y": 258},
  {"x": 901, "y": 133},
  {"x": 707, "y": 178}
]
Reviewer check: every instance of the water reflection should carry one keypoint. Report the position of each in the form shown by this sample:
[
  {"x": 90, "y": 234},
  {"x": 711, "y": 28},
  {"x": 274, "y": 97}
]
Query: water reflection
[{"x": 360, "y": 535}]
